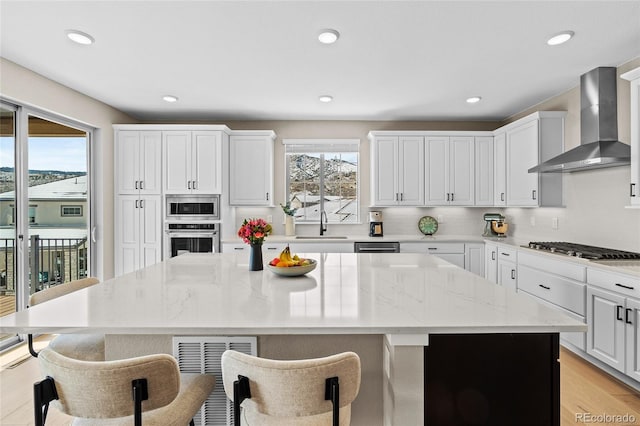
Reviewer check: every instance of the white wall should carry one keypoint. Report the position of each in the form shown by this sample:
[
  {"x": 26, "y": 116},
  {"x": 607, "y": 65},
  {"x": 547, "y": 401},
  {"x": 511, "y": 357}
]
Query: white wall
[{"x": 21, "y": 85}]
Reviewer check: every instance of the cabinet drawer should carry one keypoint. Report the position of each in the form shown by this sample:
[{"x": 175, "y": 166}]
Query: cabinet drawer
[
  {"x": 433, "y": 248},
  {"x": 507, "y": 253},
  {"x": 620, "y": 283},
  {"x": 557, "y": 267},
  {"x": 560, "y": 291}
]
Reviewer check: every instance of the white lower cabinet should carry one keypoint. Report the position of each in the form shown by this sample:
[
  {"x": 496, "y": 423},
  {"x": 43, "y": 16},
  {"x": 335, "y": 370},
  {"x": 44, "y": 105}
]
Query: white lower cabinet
[
  {"x": 507, "y": 267},
  {"x": 273, "y": 249},
  {"x": 491, "y": 262},
  {"x": 613, "y": 315},
  {"x": 451, "y": 252},
  {"x": 474, "y": 258},
  {"x": 138, "y": 232}
]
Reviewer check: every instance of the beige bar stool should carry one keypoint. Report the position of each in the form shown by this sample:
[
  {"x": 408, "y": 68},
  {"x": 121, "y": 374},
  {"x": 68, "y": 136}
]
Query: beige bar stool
[
  {"x": 147, "y": 389},
  {"x": 88, "y": 347},
  {"x": 301, "y": 393}
]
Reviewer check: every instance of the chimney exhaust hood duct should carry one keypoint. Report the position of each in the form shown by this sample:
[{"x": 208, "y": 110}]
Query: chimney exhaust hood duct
[{"x": 599, "y": 145}]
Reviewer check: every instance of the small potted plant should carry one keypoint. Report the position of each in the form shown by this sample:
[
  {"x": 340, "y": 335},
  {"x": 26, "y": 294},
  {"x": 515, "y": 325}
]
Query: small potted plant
[
  {"x": 253, "y": 232},
  {"x": 289, "y": 215}
]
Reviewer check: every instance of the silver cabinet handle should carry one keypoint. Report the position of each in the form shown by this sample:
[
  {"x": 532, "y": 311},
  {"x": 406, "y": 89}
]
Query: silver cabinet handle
[
  {"x": 137, "y": 185},
  {"x": 448, "y": 197},
  {"x": 544, "y": 286},
  {"x": 238, "y": 248},
  {"x": 452, "y": 196},
  {"x": 267, "y": 196},
  {"x": 493, "y": 255},
  {"x": 624, "y": 286},
  {"x": 93, "y": 235},
  {"x": 188, "y": 184},
  {"x": 141, "y": 184},
  {"x": 505, "y": 254},
  {"x": 513, "y": 274},
  {"x": 632, "y": 189},
  {"x": 533, "y": 194},
  {"x": 141, "y": 204},
  {"x": 137, "y": 202},
  {"x": 396, "y": 196},
  {"x": 194, "y": 184},
  {"x": 432, "y": 248},
  {"x": 502, "y": 196},
  {"x": 402, "y": 196}
]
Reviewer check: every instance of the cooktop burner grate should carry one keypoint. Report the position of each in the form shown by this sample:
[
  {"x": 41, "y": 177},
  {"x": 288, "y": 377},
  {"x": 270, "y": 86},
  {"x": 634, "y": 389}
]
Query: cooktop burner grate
[{"x": 584, "y": 251}]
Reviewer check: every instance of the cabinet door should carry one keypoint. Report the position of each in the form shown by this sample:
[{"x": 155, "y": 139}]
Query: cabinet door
[
  {"x": 522, "y": 154},
  {"x": 606, "y": 334},
  {"x": 150, "y": 163},
  {"x": 461, "y": 171},
  {"x": 484, "y": 186},
  {"x": 206, "y": 162},
  {"x": 127, "y": 234},
  {"x": 150, "y": 231},
  {"x": 491, "y": 262},
  {"x": 500, "y": 168},
  {"x": 437, "y": 173},
  {"x": 128, "y": 161},
  {"x": 177, "y": 154},
  {"x": 474, "y": 258},
  {"x": 632, "y": 321},
  {"x": 411, "y": 171},
  {"x": 384, "y": 167},
  {"x": 507, "y": 275},
  {"x": 251, "y": 170},
  {"x": 634, "y": 190}
]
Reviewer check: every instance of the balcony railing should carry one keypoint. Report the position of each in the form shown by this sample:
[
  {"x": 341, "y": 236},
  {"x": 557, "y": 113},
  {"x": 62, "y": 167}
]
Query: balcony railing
[{"x": 52, "y": 260}]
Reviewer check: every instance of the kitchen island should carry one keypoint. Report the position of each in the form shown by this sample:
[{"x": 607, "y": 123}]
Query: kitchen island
[{"x": 387, "y": 307}]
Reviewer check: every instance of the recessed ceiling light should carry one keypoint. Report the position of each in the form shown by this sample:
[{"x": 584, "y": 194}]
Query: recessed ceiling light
[
  {"x": 325, "y": 98},
  {"x": 474, "y": 99},
  {"x": 170, "y": 98},
  {"x": 560, "y": 38},
  {"x": 80, "y": 37},
  {"x": 328, "y": 36}
]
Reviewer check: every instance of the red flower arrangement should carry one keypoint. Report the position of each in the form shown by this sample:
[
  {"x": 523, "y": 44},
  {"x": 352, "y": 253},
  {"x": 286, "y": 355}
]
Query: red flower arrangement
[{"x": 254, "y": 231}]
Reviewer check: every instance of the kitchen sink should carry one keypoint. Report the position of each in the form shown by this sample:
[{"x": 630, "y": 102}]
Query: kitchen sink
[{"x": 321, "y": 237}]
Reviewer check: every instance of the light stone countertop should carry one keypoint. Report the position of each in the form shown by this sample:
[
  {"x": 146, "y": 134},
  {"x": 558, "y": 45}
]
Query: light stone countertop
[{"x": 348, "y": 293}]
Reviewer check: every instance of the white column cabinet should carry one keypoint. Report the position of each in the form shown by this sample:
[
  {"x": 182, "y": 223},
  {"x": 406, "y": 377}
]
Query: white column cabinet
[
  {"x": 634, "y": 185},
  {"x": 138, "y": 162},
  {"x": 251, "y": 168},
  {"x": 397, "y": 172},
  {"x": 139, "y": 232},
  {"x": 484, "y": 171},
  {"x": 193, "y": 162},
  {"x": 450, "y": 165}
]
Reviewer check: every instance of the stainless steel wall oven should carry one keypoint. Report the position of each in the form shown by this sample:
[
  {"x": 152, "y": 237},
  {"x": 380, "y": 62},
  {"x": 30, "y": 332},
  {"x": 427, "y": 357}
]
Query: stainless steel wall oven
[{"x": 192, "y": 224}]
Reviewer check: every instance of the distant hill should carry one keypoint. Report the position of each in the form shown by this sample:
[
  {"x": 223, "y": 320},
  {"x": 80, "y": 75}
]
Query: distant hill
[{"x": 44, "y": 172}]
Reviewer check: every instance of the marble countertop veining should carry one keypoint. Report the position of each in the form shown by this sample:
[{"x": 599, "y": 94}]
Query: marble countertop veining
[{"x": 348, "y": 293}]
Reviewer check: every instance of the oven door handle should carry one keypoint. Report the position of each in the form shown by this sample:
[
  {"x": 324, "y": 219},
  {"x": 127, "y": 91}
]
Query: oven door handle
[{"x": 191, "y": 234}]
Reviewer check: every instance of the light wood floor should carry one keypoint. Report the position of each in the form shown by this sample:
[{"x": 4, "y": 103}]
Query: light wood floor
[{"x": 584, "y": 389}]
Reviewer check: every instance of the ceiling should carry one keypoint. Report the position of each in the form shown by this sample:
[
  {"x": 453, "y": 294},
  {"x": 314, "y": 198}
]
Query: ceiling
[{"x": 261, "y": 60}]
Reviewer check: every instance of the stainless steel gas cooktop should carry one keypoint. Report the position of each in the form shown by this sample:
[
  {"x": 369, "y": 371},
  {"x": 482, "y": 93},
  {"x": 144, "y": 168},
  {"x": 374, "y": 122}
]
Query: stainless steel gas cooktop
[{"x": 583, "y": 251}]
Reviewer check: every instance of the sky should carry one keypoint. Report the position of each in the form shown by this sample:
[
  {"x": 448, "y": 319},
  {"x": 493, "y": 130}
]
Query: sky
[{"x": 65, "y": 154}]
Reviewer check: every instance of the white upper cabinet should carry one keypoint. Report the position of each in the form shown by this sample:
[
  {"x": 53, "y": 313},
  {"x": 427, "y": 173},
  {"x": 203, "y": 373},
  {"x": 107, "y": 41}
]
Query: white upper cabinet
[
  {"x": 397, "y": 172},
  {"x": 484, "y": 171},
  {"x": 251, "y": 168},
  {"x": 634, "y": 184},
  {"x": 138, "y": 162},
  {"x": 522, "y": 153},
  {"x": 450, "y": 170},
  {"x": 193, "y": 162},
  {"x": 500, "y": 169},
  {"x": 530, "y": 141}
]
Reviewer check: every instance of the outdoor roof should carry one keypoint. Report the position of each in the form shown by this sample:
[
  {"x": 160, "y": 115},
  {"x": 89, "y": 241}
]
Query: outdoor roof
[{"x": 66, "y": 189}]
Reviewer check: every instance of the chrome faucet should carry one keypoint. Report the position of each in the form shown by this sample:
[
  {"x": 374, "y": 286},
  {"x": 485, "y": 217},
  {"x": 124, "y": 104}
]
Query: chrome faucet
[{"x": 323, "y": 223}]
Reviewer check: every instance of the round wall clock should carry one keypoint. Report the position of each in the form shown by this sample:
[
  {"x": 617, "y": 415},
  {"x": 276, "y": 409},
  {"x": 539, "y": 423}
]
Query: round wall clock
[{"x": 428, "y": 225}]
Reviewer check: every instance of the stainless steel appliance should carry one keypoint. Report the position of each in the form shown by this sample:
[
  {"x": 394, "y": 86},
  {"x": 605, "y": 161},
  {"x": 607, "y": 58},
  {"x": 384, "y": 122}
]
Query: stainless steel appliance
[
  {"x": 377, "y": 247},
  {"x": 494, "y": 225},
  {"x": 584, "y": 251},
  {"x": 184, "y": 237},
  {"x": 375, "y": 224},
  {"x": 193, "y": 207}
]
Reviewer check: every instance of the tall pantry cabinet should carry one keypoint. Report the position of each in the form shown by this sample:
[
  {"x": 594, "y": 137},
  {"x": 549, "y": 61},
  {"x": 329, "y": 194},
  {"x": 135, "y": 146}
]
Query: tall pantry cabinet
[{"x": 138, "y": 216}]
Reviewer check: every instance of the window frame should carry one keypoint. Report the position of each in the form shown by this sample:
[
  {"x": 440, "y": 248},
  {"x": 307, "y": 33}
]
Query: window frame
[{"x": 322, "y": 147}]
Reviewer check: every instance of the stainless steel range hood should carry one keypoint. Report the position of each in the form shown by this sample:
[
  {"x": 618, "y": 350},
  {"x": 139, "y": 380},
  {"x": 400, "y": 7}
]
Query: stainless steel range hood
[{"x": 599, "y": 144}]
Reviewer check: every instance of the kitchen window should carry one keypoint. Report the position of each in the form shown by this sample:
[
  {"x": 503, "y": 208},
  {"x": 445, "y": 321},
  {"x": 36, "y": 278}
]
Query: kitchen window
[{"x": 323, "y": 174}]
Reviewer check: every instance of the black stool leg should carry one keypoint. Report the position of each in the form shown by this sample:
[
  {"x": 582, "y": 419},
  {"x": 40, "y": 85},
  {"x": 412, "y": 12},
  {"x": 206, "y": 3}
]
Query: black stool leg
[{"x": 332, "y": 393}]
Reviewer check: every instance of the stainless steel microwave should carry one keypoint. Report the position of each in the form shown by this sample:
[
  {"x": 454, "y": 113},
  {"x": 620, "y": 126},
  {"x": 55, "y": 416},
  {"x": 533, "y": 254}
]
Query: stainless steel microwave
[{"x": 193, "y": 207}]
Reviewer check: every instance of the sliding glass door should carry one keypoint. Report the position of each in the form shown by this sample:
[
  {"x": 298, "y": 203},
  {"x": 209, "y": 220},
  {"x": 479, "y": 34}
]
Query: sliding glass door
[{"x": 45, "y": 205}]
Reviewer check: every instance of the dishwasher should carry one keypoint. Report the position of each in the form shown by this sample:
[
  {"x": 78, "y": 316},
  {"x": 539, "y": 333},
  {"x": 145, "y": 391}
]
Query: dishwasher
[{"x": 376, "y": 247}]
